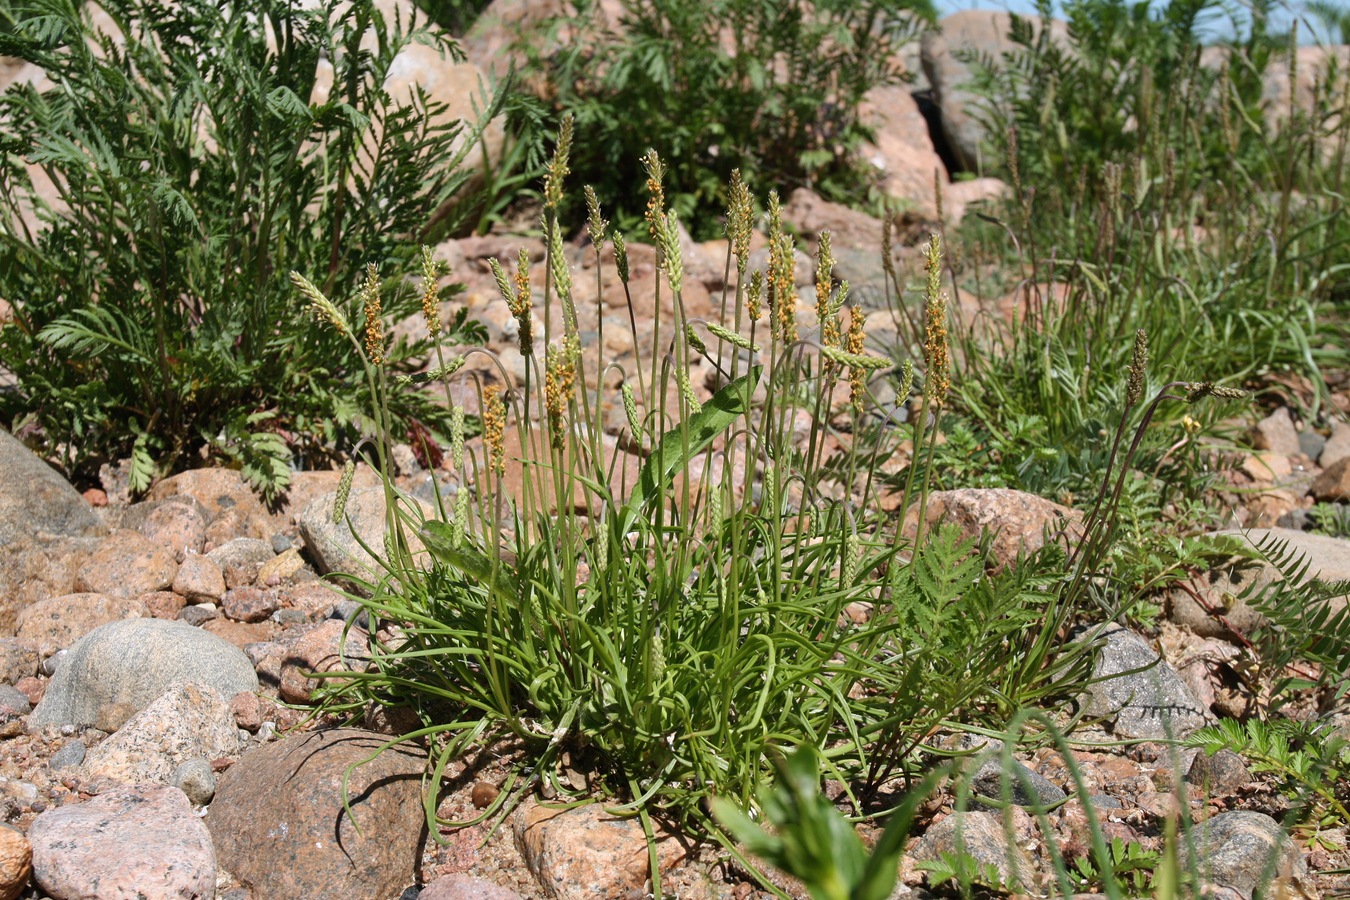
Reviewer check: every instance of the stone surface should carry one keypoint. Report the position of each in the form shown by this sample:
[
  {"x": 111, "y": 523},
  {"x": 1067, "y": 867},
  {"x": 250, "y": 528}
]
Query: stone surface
[
  {"x": 1154, "y": 704},
  {"x": 17, "y": 660},
  {"x": 56, "y": 623},
  {"x": 187, "y": 721},
  {"x": 465, "y": 887},
  {"x": 126, "y": 564},
  {"x": 335, "y": 548},
  {"x": 1221, "y": 774},
  {"x": 127, "y": 844},
  {"x": 13, "y": 702},
  {"x": 1018, "y": 520},
  {"x": 981, "y": 32},
  {"x": 1245, "y": 851},
  {"x": 319, "y": 650},
  {"x": 1024, "y": 787},
  {"x": 283, "y": 566},
  {"x": 163, "y": 604},
  {"x": 1222, "y": 588},
  {"x": 1333, "y": 485},
  {"x": 122, "y": 667},
  {"x": 280, "y": 828},
  {"x": 902, "y": 153},
  {"x": 1337, "y": 446},
  {"x": 1276, "y": 433},
  {"x": 178, "y": 522},
  {"x": 241, "y": 559},
  {"x": 199, "y": 579},
  {"x": 36, "y": 568},
  {"x": 582, "y": 853},
  {"x": 35, "y": 498},
  {"x": 16, "y": 863},
  {"x": 217, "y": 491},
  {"x": 249, "y": 604},
  {"x": 980, "y": 835},
  {"x": 195, "y": 778}
]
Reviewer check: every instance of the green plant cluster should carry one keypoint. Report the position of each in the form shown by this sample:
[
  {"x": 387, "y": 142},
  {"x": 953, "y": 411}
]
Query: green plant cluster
[
  {"x": 769, "y": 87},
  {"x": 199, "y": 153},
  {"x": 1149, "y": 187}
]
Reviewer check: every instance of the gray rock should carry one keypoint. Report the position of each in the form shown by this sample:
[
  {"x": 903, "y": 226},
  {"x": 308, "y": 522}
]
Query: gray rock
[
  {"x": 1245, "y": 851},
  {"x": 72, "y": 754},
  {"x": 13, "y": 702},
  {"x": 199, "y": 615},
  {"x": 120, "y": 668},
  {"x": 335, "y": 548},
  {"x": 131, "y": 842},
  {"x": 35, "y": 498},
  {"x": 196, "y": 779},
  {"x": 980, "y": 835},
  {"x": 1221, "y": 774},
  {"x": 280, "y": 543},
  {"x": 1025, "y": 787},
  {"x": 242, "y": 553},
  {"x": 1153, "y": 704},
  {"x": 280, "y": 828},
  {"x": 188, "y": 721}
]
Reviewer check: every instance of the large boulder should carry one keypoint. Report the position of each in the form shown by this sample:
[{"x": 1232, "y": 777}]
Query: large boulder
[
  {"x": 280, "y": 827},
  {"x": 120, "y": 668},
  {"x": 189, "y": 721}
]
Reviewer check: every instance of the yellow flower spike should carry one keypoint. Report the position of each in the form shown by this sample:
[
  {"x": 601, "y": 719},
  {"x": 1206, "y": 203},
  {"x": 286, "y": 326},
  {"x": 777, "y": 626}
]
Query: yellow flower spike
[
  {"x": 522, "y": 306},
  {"x": 430, "y": 293},
  {"x": 936, "y": 349},
  {"x": 370, "y": 302},
  {"x": 557, "y": 168},
  {"x": 494, "y": 427}
]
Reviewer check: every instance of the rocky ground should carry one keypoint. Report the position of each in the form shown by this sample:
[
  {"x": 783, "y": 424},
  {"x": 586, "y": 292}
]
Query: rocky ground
[{"x": 154, "y": 705}]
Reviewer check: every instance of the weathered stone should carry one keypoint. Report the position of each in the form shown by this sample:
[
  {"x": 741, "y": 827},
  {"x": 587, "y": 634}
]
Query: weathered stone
[
  {"x": 178, "y": 523},
  {"x": 33, "y": 569},
  {"x": 1024, "y": 787},
  {"x": 335, "y": 548},
  {"x": 16, "y": 862},
  {"x": 980, "y": 835},
  {"x": 17, "y": 660},
  {"x": 1276, "y": 433},
  {"x": 241, "y": 559},
  {"x": 128, "y": 843},
  {"x": 1246, "y": 851},
  {"x": 280, "y": 827},
  {"x": 199, "y": 579},
  {"x": 187, "y": 721},
  {"x": 1337, "y": 446},
  {"x": 35, "y": 498},
  {"x": 282, "y": 567},
  {"x": 249, "y": 604},
  {"x": 120, "y": 668},
  {"x": 1019, "y": 522},
  {"x": 56, "y": 623},
  {"x": 321, "y": 649},
  {"x": 945, "y": 63},
  {"x": 1222, "y": 609},
  {"x": 465, "y": 887},
  {"x": 1333, "y": 485},
  {"x": 1221, "y": 774},
  {"x": 902, "y": 150},
  {"x": 195, "y": 778},
  {"x": 1154, "y": 703},
  {"x": 125, "y": 565},
  {"x": 583, "y": 852},
  {"x": 163, "y": 604}
]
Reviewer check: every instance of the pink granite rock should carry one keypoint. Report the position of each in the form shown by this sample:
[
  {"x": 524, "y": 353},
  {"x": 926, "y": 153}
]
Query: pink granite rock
[
  {"x": 199, "y": 579},
  {"x": 125, "y": 844},
  {"x": 126, "y": 564},
  {"x": 57, "y": 622}
]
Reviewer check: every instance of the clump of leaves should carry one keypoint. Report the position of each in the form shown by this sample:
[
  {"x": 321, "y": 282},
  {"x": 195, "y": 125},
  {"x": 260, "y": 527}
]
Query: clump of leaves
[
  {"x": 769, "y": 88},
  {"x": 199, "y": 156},
  {"x": 1309, "y": 760}
]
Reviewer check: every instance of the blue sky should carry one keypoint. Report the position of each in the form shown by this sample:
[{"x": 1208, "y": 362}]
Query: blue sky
[{"x": 1222, "y": 27}]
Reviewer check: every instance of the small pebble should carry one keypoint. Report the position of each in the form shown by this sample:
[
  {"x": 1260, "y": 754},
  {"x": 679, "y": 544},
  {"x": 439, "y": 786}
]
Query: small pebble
[
  {"x": 259, "y": 650},
  {"x": 280, "y": 543},
  {"x": 195, "y": 778},
  {"x": 483, "y": 794},
  {"x": 197, "y": 615},
  {"x": 290, "y": 617},
  {"x": 72, "y": 754},
  {"x": 266, "y": 731}
]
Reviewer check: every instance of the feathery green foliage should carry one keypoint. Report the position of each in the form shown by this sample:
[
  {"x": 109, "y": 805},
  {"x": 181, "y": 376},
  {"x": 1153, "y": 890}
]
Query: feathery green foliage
[{"x": 200, "y": 154}]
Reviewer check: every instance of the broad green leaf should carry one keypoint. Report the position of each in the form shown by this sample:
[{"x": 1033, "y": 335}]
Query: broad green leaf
[{"x": 687, "y": 440}]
